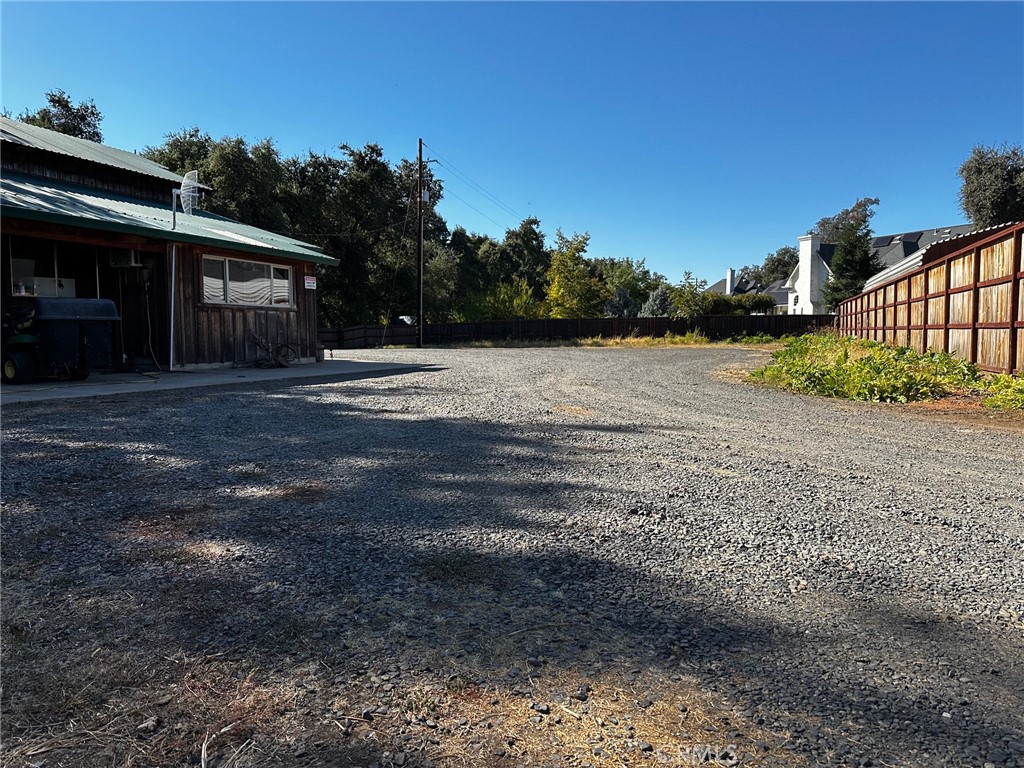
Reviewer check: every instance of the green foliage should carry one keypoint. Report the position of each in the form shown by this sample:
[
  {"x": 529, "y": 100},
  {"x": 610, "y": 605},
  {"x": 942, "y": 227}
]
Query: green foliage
[
  {"x": 753, "y": 303},
  {"x": 573, "y": 291},
  {"x": 776, "y": 266},
  {"x": 620, "y": 304},
  {"x": 658, "y": 303},
  {"x": 853, "y": 369},
  {"x": 830, "y": 227},
  {"x": 506, "y": 301},
  {"x": 992, "y": 191},
  {"x": 757, "y": 338},
  {"x": 631, "y": 276},
  {"x": 521, "y": 254},
  {"x": 853, "y": 262},
  {"x": 690, "y": 298},
  {"x": 1004, "y": 392},
  {"x": 61, "y": 115}
]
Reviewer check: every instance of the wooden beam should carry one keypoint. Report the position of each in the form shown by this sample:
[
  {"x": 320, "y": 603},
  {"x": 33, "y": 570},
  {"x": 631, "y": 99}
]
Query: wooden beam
[
  {"x": 1015, "y": 364},
  {"x": 45, "y": 231}
]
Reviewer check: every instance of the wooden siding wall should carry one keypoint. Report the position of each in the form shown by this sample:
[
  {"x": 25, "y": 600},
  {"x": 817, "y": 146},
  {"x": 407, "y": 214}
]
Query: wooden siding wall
[
  {"x": 71, "y": 170},
  {"x": 218, "y": 334},
  {"x": 969, "y": 303}
]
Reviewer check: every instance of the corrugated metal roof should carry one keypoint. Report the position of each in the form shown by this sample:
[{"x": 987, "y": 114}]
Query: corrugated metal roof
[
  {"x": 31, "y": 198},
  {"x": 27, "y": 135}
]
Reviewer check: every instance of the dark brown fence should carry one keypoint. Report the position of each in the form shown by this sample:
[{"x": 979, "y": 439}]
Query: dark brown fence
[
  {"x": 714, "y": 327},
  {"x": 968, "y": 301}
]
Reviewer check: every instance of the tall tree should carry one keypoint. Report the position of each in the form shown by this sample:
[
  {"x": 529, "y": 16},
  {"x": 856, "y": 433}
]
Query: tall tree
[
  {"x": 632, "y": 276},
  {"x": 61, "y": 115},
  {"x": 521, "y": 254},
  {"x": 573, "y": 291},
  {"x": 621, "y": 304},
  {"x": 992, "y": 191},
  {"x": 658, "y": 304},
  {"x": 830, "y": 227},
  {"x": 776, "y": 266},
  {"x": 853, "y": 262},
  {"x": 184, "y": 151},
  {"x": 690, "y": 298}
]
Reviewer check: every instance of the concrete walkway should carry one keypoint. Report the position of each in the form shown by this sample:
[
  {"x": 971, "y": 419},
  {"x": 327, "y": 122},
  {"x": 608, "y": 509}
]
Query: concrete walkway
[{"x": 105, "y": 384}]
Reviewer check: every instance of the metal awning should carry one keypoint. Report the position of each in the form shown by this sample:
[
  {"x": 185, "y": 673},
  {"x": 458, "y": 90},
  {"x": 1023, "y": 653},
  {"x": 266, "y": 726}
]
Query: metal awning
[{"x": 32, "y": 198}]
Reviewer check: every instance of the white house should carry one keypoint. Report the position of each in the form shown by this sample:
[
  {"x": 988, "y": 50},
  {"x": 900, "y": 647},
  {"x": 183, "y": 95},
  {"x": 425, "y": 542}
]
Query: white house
[{"x": 806, "y": 282}]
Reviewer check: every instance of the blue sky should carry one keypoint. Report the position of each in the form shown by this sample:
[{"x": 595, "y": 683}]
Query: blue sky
[{"x": 695, "y": 136}]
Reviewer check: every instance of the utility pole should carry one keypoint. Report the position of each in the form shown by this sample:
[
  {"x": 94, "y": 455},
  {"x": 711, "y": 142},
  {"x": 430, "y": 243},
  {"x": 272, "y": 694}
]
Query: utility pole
[{"x": 419, "y": 216}]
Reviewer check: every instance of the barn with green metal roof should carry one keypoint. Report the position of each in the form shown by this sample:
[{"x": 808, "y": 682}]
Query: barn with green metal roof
[{"x": 193, "y": 290}]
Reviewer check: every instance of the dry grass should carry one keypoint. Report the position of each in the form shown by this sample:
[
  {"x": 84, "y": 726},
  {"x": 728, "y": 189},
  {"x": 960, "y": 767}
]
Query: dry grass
[
  {"x": 573, "y": 410},
  {"x": 602, "y": 721}
]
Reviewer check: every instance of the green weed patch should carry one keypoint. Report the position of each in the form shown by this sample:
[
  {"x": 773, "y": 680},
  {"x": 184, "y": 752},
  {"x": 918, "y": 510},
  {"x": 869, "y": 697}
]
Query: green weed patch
[{"x": 856, "y": 369}]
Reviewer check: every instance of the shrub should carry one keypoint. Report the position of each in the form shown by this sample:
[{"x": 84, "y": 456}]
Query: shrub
[
  {"x": 855, "y": 369},
  {"x": 1005, "y": 392}
]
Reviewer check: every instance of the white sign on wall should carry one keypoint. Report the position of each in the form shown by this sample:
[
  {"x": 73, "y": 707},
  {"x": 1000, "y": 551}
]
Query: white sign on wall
[{"x": 310, "y": 282}]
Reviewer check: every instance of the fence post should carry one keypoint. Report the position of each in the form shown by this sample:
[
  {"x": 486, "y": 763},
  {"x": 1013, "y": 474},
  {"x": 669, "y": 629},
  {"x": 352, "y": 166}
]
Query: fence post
[
  {"x": 975, "y": 306},
  {"x": 945, "y": 306},
  {"x": 1013, "y": 359}
]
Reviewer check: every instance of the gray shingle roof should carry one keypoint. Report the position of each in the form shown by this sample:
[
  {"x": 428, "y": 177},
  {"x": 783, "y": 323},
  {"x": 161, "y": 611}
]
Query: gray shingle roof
[{"x": 905, "y": 243}]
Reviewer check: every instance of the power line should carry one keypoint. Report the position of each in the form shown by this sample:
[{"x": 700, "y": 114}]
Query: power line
[
  {"x": 449, "y": 192},
  {"x": 477, "y": 187}
]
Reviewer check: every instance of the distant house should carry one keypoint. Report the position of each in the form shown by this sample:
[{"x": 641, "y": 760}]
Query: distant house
[
  {"x": 804, "y": 285},
  {"x": 84, "y": 220},
  {"x": 729, "y": 286}
]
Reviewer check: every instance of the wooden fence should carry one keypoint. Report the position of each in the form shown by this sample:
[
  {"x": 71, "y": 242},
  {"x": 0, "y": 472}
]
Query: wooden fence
[
  {"x": 969, "y": 302},
  {"x": 714, "y": 327}
]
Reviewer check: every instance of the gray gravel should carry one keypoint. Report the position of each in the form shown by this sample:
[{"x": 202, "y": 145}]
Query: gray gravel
[{"x": 848, "y": 574}]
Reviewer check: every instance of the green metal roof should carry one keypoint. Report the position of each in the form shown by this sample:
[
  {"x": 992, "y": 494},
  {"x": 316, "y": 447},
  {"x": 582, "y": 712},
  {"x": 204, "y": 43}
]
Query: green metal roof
[
  {"x": 28, "y": 197},
  {"x": 33, "y": 136}
]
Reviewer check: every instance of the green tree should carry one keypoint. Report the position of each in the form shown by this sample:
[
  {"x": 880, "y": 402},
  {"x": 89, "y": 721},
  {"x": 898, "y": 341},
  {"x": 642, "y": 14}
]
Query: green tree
[
  {"x": 573, "y": 291},
  {"x": 690, "y": 298},
  {"x": 505, "y": 301},
  {"x": 658, "y": 303},
  {"x": 440, "y": 283},
  {"x": 830, "y": 227},
  {"x": 992, "y": 191},
  {"x": 754, "y": 303},
  {"x": 184, "y": 151},
  {"x": 61, "y": 115},
  {"x": 776, "y": 266},
  {"x": 632, "y": 276},
  {"x": 853, "y": 262},
  {"x": 521, "y": 254},
  {"x": 620, "y": 304},
  {"x": 472, "y": 275}
]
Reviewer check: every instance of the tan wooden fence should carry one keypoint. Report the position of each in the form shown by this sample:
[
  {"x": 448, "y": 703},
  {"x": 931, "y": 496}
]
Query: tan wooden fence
[{"x": 967, "y": 300}]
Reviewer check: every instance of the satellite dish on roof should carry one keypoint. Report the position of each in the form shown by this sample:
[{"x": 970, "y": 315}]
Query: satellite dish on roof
[
  {"x": 188, "y": 194},
  {"x": 189, "y": 191}
]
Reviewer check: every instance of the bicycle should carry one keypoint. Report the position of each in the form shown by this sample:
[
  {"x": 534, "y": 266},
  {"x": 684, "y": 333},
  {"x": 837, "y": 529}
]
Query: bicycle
[{"x": 277, "y": 355}]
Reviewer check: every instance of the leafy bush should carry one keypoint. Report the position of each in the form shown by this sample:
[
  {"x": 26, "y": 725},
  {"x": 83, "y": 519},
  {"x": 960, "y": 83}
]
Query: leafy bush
[
  {"x": 1005, "y": 392},
  {"x": 855, "y": 369},
  {"x": 755, "y": 338}
]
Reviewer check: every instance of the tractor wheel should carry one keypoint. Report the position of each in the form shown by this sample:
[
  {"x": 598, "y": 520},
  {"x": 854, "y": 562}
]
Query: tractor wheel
[{"x": 18, "y": 368}]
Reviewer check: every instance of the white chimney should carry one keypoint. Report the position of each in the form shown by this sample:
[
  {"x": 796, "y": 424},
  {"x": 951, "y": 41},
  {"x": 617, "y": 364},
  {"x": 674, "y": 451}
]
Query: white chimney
[
  {"x": 730, "y": 281},
  {"x": 809, "y": 280}
]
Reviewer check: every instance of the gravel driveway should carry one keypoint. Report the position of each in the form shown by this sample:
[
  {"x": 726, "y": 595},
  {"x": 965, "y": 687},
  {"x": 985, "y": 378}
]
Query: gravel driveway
[{"x": 554, "y": 556}]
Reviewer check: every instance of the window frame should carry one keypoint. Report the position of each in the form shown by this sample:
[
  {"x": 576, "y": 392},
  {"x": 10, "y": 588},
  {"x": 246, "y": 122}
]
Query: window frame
[{"x": 226, "y": 282}]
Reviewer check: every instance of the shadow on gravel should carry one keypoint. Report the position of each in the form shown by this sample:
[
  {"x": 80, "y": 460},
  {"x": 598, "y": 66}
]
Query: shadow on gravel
[{"x": 312, "y": 577}]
